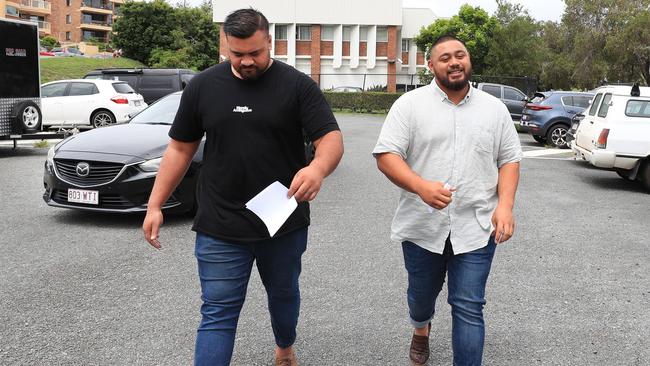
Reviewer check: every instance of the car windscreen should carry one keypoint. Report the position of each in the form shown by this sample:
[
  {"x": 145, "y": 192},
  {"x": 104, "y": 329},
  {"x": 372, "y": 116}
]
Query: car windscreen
[
  {"x": 161, "y": 112},
  {"x": 123, "y": 88}
]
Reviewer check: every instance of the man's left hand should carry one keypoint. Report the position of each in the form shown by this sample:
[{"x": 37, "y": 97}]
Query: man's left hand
[
  {"x": 504, "y": 224},
  {"x": 306, "y": 184}
]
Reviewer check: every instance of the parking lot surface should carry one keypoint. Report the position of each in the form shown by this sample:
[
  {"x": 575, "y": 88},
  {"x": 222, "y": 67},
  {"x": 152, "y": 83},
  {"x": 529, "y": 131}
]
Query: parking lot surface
[{"x": 571, "y": 288}]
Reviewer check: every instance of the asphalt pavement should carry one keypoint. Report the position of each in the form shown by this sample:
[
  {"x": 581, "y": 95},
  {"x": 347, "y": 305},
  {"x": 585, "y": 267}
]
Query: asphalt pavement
[{"x": 571, "y": 288}]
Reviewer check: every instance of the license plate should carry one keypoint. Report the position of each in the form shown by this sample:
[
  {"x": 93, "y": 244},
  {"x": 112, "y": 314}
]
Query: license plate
[
  {"x": 83, "y": 196},
  {"x": 136, "y": 103}
]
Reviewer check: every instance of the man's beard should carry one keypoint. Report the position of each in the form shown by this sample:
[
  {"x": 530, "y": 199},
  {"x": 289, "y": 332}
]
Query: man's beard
[
  {"x": 250, "y": 72},
  {"x": 454, "y": 85}
]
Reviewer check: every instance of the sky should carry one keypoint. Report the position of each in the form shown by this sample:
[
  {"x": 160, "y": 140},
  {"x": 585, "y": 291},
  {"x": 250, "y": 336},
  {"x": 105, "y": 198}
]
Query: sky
[{"x": 538, "y": 9}]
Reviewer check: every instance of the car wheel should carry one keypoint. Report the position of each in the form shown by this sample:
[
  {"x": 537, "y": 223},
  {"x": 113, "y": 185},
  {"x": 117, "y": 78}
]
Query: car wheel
[
  {"x": 644, "y": 175},
  {"x": 28, "y": 116},
  {"x": 556, "y": 136},
  {"x": 102, "y": 118},
  {"x": 625, "y": 174},
  {"x": 540, "y": 139}
]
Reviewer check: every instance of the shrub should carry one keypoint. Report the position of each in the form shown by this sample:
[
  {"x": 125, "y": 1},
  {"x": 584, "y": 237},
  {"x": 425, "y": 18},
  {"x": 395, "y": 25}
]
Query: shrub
[
  {"x": 49, "y": 42},
  {"x": 361, "y": 102}
]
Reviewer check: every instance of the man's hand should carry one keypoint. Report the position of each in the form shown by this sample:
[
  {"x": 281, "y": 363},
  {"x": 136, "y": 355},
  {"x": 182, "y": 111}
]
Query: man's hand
[
  {"x": 306, "y": 184},
  {"x": 504, "y": 224},
  {"x": 434, "y": 194},
  {"x": 151, "y": 226}
]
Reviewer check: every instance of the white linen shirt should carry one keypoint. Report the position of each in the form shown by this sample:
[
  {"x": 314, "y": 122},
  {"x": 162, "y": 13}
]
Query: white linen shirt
[{"x": 462, "y": 145}]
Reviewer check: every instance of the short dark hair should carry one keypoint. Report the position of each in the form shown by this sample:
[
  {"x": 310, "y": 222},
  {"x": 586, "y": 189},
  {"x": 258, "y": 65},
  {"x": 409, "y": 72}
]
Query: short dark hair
[
  {"x": 444, "y": 38},
  {"x": 243, "y": 23}
]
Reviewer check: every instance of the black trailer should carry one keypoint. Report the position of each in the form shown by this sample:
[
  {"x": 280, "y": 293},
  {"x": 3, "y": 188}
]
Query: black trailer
[{"x": 20, "y": 79}]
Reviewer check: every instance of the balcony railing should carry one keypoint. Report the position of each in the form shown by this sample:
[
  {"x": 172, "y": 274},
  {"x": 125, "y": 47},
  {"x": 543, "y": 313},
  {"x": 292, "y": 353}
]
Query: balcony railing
[
  {"x": 37, "y": 4},
  {"x": 97, "y": 4},
  {"x": 44, "y": 26},
  {"x": 102, "y": 23}
]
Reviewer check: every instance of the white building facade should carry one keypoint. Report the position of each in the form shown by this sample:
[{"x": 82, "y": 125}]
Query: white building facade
[{"x": 358, "y": 43}]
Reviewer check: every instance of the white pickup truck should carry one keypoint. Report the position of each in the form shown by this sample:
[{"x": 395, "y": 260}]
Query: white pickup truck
[{"x": 615, "y": 132}]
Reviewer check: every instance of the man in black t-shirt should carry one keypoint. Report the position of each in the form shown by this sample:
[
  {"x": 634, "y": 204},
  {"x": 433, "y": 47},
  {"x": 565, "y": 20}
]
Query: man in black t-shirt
[{"x": 253, "y": 111}]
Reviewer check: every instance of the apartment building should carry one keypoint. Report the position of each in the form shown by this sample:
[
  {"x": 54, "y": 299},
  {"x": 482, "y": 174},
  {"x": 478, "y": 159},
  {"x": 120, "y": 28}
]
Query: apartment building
[
  {"x": 29, "y": 10},
  {"x": 77, "y": 21},
  {"x": 69, "y": 21},
  {"x": 361, "y": 43}
]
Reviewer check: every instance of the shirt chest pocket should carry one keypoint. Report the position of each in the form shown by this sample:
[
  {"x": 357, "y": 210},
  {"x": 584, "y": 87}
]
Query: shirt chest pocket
[{"x": 482, "y": 140}]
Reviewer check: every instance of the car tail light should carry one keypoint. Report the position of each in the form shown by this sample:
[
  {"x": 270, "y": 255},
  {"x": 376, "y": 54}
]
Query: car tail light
[
  {"x": 120, "y": 100},
  {"x": 602, "y": 139},
  {"x": 537, "y": 107}
]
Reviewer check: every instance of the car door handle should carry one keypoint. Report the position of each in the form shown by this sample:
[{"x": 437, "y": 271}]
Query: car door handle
[{"x": 592, "y": 122}]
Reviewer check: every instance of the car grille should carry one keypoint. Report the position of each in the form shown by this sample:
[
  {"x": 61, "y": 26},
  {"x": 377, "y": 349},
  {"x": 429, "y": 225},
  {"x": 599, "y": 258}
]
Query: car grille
[
  {"x": 111, "y": 201},
  {"x": 100, "y": 172},
  {"x": 106, "y": 201}
]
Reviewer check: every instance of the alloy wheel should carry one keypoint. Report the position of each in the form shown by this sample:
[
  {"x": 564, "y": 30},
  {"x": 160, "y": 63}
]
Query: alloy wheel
[{"x": 30, "y": 117}]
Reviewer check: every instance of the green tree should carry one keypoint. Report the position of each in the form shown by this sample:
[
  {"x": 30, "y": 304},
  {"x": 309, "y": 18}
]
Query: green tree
[
  {"x": 472, "y": 25},
  {"x": 143, "y": 27},
  {"x": 628, "y": 48},
  {"x": 516, "y": 48},
  {"x": 159, "y": 35},
  {"x": 201, "y": 36}
]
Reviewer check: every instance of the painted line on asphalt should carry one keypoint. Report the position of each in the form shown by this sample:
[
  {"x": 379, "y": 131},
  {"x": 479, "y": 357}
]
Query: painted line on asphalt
[{"x": 544, "y": 152}]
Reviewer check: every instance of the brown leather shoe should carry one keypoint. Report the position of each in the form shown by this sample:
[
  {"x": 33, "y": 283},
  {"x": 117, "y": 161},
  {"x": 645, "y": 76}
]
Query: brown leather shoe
[
  {"x": 419, "y": 352},
  {"x": 287, "y": 360}
]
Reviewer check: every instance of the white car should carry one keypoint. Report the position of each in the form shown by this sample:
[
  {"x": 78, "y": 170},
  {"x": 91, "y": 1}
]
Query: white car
[
  {"x": 95, "y": 103},
  {"x": 615, "y": 132}
]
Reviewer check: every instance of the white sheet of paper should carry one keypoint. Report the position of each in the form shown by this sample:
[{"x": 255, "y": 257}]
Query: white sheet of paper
[{"x": 272, "y": 206}]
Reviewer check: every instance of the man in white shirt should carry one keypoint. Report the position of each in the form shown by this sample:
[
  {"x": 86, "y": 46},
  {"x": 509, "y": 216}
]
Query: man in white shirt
[{"x": 455, "y": 153}]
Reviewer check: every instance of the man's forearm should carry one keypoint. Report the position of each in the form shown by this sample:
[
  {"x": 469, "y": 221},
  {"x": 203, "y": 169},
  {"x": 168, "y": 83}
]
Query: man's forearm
[
  {"x": 507, "y": 186},
  {"x": 329, "y": 150},
  {"x": 398, "y": 172},
  {"x": 176, "y": 160}
]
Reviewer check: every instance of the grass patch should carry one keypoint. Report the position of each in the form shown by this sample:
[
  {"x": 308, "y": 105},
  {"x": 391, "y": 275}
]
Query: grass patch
[
  {"x": 59, "y": 68},
  {"x": 42, "y": 144}
]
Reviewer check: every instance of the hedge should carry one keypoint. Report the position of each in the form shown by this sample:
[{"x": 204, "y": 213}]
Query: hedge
[{"x": 361, "y": 102}]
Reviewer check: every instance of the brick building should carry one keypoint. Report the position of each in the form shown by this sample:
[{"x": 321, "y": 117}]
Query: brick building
[
  {"x": 69, "y": 21},
  {"x": 34, "y": 10},
  {"x": 362, "y": 43}
]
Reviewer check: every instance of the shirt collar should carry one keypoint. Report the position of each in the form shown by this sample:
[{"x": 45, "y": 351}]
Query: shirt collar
[{"x": 443, "y": 96}]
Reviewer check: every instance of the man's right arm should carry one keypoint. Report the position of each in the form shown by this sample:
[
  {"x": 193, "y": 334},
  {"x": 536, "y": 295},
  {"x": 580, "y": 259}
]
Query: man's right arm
[
  {"x": 395, "y": 168},
  {"x": 173, "y": 166}
]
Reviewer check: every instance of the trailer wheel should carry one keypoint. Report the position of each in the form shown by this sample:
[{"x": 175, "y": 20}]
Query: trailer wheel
[{"x": 28, "y": 116}]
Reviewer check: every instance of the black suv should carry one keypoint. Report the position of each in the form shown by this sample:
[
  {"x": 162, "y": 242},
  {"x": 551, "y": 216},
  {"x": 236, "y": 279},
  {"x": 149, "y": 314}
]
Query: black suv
[{"x": 153, "y": 84}]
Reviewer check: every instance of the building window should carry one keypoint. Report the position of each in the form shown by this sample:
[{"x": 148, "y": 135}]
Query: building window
[
  {"x": 382, "y": 34},
  {"x": 327, "y": 33},
  {"x": 406, "y": 44},
  {"x": 67, "y": 36},
  {"x": 363, "y": 34},
  {"x": 68, "y": 2},
  {"x": 12, "y": 10},
  {"x": 280, "y": 32},
  {"x": 303, "y": 32},
  {"x": 68, "y": 19},
  {"x": 347, "y": 33}
]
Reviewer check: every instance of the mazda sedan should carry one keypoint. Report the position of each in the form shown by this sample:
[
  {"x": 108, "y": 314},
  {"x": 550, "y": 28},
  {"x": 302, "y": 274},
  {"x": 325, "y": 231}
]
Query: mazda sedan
[{"x": 113, "y": 169}]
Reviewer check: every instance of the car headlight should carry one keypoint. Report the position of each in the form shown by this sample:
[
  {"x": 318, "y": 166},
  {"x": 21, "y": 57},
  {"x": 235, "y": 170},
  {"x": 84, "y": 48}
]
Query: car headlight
[
  {"x": 50, "y": 156},
  {"x": 151, "y": 165}
]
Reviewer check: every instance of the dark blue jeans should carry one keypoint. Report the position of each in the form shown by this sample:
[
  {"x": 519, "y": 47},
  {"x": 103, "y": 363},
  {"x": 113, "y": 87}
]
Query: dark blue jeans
[
  {"x": 467, "y": 275},
  {"x": 224, "y": 270}
]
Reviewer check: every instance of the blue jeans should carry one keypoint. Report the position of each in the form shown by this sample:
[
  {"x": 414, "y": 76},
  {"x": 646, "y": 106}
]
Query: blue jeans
[
  {"x": 467, "y": 274},
  {"x": 224, "y": 270}
]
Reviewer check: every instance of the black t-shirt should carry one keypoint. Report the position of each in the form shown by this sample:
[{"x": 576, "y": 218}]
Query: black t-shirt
[{"x": 254, "y": 137}]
